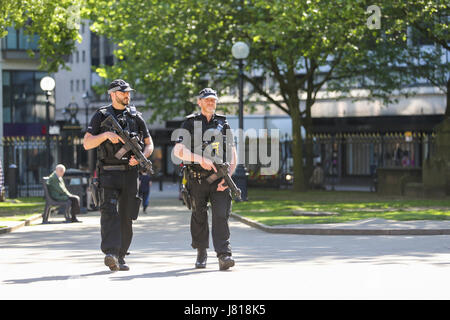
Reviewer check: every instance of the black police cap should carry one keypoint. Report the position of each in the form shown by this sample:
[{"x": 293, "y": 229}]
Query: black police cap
[
  {"x": 119, "y": 85},
  {"x": 207, "y": 93}
]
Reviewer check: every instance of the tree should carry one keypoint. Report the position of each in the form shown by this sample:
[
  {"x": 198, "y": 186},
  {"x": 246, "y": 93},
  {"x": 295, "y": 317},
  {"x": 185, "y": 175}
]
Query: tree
[
  {"x": 428, "y": 20},
  {"x": 169, "y": 49},
  {"x": 56, "y": 23}
]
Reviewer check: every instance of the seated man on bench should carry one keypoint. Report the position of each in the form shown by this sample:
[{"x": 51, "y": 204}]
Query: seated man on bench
[{"x": 58, "y": 191}]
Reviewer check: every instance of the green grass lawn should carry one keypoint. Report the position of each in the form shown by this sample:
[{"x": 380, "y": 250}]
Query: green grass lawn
[
  {"x": 275, "y": 207},
  {"x": 21, "y": 208}
]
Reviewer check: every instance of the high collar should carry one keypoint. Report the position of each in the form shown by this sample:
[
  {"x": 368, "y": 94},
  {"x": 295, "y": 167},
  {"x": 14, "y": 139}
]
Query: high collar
[{"x": 204, "y": 118}]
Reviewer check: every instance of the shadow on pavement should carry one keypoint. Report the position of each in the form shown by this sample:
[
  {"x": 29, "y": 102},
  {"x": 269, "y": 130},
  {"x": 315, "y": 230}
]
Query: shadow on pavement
[
  {"x": 169, "y": 273},
  {"x": 55, "y": 278},
  {"x": 164, "y": 234}
]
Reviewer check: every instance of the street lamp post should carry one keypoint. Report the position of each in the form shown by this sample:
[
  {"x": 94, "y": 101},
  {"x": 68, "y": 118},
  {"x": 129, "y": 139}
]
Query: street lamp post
[
  {"x": 240, "y": 52},
  {"x": 47, "y": 85},
  {"x": 86, "y": 105}
]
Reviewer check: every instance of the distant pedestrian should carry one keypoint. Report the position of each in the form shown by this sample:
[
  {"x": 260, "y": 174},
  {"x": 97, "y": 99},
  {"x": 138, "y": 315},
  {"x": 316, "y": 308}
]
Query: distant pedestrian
[
  {"x": 405, "y": 159},
  {"x": 144, "y": 189},
  {"x": 318, "y": 177}
]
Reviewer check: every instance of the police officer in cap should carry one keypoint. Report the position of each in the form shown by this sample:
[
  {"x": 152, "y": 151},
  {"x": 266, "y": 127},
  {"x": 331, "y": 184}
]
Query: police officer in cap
[
  {"x": 201, "y": 192},
  {"x": 118, "y": 178}
]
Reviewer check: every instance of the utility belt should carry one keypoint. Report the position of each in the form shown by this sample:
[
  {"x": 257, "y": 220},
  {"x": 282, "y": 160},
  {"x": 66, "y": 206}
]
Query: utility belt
[
  {"x": 103, "y": 167},
  {"x": 198, "y": 175}
]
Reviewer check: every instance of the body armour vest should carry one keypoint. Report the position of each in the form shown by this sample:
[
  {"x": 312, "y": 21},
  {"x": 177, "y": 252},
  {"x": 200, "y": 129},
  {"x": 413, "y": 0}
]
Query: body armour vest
[
  {"x": 107, "y": 150},
  {"x": 212, "y": 144}
]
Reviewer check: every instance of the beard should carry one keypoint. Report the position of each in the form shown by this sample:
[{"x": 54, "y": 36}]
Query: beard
[{"x": 123, "y": 101}]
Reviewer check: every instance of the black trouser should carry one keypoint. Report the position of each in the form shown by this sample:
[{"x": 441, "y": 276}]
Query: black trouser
[
  {"x": 118, "y": 191},
  {"x": 75, "y": 205},
  {"x": 201, "y": 193}
]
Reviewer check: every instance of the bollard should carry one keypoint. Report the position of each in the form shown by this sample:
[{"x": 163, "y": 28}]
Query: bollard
[{"x": 12, "y": 181}]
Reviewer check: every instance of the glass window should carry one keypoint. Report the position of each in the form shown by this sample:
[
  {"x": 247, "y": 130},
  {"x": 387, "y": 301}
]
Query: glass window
[
  {"x": 6, "y": 97},
  {"x": 11, "y": 38},
  {"x": 95, "y": 49},
  {"x": 18, "y": 40},
  {"x": 23, "y": 99}
]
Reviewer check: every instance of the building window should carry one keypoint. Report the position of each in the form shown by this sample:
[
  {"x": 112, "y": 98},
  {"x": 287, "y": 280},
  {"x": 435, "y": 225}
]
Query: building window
[
  {"x": 419, "y": 38},
  {"x": 83, "y": 56},
  {"x": 78, "y": 85},
  {"x": 83, "y": 85},
  {"x": 77, "y": 57},
  {"x": 95, "y": 50},
  {"x": 71, "y": 85},
  {"x": 109, "y": 52},
  {"x": 23, "y": 98},
  {"x": 17, "y": 40}
]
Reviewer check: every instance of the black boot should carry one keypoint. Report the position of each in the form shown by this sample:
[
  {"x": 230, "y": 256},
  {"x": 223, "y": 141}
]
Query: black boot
[
  {"x": 202, "y": 255},
  {"x": 225, "y": 262},
  {"x": 111, "y": 262},
  {"x": 123, "y": 265}
]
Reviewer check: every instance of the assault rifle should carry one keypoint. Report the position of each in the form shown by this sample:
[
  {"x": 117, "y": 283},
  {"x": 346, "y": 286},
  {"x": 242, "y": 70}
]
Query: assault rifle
[
  {"x": 131, "y": 143},
  {"x": 222, "y": 172}
]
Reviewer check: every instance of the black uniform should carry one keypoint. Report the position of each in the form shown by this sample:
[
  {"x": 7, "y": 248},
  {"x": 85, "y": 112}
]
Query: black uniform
[
  {"x": 118, "y": 181},
  {"x": 202, "y": 192}
]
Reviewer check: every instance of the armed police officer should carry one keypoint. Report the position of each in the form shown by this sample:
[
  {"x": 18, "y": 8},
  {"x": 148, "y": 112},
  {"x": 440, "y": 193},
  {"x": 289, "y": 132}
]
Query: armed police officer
[
  {"x": 200, "y": 167},
  {"x": 118, "y": 178}
]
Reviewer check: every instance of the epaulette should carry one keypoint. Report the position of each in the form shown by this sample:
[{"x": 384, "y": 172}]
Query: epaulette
[
  {"x": 220, "y": 116},
  {"x": 103, "y": 109},
  {"x": 192, "y": 115}
]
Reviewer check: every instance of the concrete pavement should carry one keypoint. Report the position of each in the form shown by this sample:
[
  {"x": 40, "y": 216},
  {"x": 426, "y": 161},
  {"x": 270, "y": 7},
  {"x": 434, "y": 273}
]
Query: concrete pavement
[{"x": 63, "y": 261}]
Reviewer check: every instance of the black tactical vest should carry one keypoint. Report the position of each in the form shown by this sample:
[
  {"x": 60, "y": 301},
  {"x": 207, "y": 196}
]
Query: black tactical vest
[
  {"x": 211, "y": 143},
  {"x": 107, "y": 150}
]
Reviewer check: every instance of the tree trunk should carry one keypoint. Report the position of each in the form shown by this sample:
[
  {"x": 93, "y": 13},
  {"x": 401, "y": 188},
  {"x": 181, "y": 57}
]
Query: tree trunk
[
  {"x": 307, "y": 122},
  {"x": 447, "y": 109},
  {"x": 309, "y": 152},
  {"x": 297, "y": 150}
]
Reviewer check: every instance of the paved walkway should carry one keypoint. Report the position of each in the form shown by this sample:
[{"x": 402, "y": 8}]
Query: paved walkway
[{"x": 63, "y": 261}]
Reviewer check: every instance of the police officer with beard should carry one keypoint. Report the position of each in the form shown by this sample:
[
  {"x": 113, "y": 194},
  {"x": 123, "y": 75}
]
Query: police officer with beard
[
  {"x": 200, "y": 167},
  {"x": 118, "y": 178}
]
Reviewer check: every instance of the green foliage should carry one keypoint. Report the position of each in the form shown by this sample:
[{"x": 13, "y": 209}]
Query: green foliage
[
  {"x": 54, "y": 21},
  {"x": 167, "y": 49},
  {"x": 171, "y": 49}
]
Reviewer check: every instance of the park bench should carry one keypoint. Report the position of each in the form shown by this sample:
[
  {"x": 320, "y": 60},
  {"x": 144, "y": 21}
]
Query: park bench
[{"x": 51, "y": 204}]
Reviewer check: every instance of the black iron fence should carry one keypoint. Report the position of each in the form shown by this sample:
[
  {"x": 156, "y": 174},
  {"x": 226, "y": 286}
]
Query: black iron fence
[
  {"x": 29, "y": 154},
  {"x": 348, "y": 158},
  {"x": 345, "y": 158}
]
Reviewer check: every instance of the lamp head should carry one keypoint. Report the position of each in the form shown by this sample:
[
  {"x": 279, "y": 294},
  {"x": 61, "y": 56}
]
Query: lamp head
[{"x": 240, "y": 50}]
